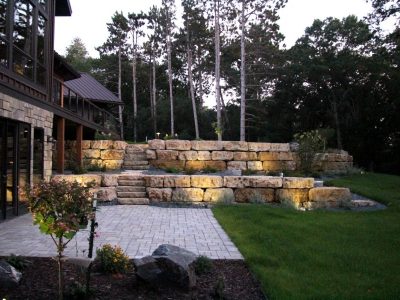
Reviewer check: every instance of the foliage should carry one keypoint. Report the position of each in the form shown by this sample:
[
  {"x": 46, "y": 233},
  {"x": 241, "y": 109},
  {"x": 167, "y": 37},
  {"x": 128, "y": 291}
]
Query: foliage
[
  {"x": 312, "y": 254},
  {"x": 172, "y": 170},
  {"x": 190, "y": 171},
  {"x": 209, "y": 169},
  {"x": 78, "y": 169},
  {"x": 113, "y": 259},
  {"x": 219, "y": 289},
  {"x": 203, "y": 265},
  {"x": 60, "y": 209},
  {"x": 96, "y": 167},
  {"x": 102, "y": 136},
  {"x": 18, "y": 262},
  {"x": 248, "y": 172},
  {"x": 77, "y": 56},
  {"x": 310, "y": 143}
]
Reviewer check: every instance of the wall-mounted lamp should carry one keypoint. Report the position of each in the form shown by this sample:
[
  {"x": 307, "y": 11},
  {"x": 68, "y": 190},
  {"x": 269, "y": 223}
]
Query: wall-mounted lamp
[{"x": 50, "y": 139}]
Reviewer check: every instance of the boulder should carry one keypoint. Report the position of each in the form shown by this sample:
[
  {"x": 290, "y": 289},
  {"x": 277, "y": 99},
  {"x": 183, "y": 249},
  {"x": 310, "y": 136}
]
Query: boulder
[
  {"x": 187, "y": 195},
  {"x": 163, "y": 164},
  {"x": 111, "y": 164},
  {"x": 177, "y": 181},
  {"x": 259, "y": 147},
  {"x": 235, "y": 146},
  {"x": 156, "y": 144},
  {"x": 292, "y": 197},
  {"x": 195, "y": 165},
  {"x": 215, "y": 164},
  {"x": 159, "y": 194},
  {"x": 102, "y": 144},
  {"x": 167, "y": 154},
  {"x": 298, "y": 183},
  {"x": 254, "y": 195},
  {"x": 91, "y": 153},
  {"x": 83, "y": 179},
  {"x": 265, "y": 181},
  {"x": 154, "y": 181},
  {"x": 168, "y": 265},
  {"x": 105, "y": 193},
  {"x": 329, "y": 194},
  {"x": 241, "y": 156},
  {"x": 85, "y": 145},
  {"x": 204, "y": 181},
  {"x": 9, "y": 276},
  {"x": 119, "y": 145},
  {"x": 237, "y": 181},
  {"x": 275, "y": 156},
  {"x": 279, "y": 165},
  {"x": 237, "y": 165},
  {"x": 222, "y": 155},
  {"x": 255, "y": 165},
  {"x": 282, "y": 147},
  {"x": 219, "y": 195},
  {"x": 178, "y": 145},
  {"x": 112, "y": 154},
  {"x": 188, "y": 155},
  {"x": 207, "y": 145},
  {"x": 204, "y": 155},
  {"x": 151, "y": 154}
]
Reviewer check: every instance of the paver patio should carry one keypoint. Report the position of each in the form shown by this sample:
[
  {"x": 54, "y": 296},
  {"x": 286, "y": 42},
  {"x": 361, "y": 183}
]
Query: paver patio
[{"x": 139, "y": 230}]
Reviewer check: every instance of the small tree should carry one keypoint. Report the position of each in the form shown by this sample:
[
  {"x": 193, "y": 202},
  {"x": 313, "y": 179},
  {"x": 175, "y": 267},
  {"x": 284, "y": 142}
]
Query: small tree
[
  {"x": 310, "y": 143},
  {"x": 60, "y": 209}
]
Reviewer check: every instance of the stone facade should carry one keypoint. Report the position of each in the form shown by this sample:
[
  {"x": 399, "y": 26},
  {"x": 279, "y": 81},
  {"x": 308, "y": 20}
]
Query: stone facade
[
  {"x": 21, "y": 111},
  {"x": 269, "y": 157}
]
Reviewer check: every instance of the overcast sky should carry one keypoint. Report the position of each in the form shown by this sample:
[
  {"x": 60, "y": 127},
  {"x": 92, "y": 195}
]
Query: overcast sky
[{"x": 89, "y": 18}]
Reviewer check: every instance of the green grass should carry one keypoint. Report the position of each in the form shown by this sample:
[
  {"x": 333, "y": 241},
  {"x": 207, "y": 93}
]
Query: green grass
[{"x": 323, "y": 254}]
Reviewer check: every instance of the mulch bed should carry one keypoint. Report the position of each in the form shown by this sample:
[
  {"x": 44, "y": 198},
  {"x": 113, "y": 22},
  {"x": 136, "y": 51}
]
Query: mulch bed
[{"x": 40, "y": 281}]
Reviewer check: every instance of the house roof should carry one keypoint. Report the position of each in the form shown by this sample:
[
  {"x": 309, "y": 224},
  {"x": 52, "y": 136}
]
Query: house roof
[
  {"x": 63, "y": 8},
  {"x": 64, "y": 69},
  {"x": 91, "y": 89}
]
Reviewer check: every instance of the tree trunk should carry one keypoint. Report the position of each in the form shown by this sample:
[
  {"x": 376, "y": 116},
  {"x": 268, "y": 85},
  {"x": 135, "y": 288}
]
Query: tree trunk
[
  {"x": 119, "y": 92},
  {"x": 217, "y": 68},
  {"x": 200, "y": 80},
  {"x": 60, "y": 274},
  {"x": 337, "y": 125},
  {"x": 154, "y": 97},
  {"x": 243, "y": 75},
  {"x": 151, "y": 91},
  {"x": 190, "y": 75},
  {"x": 171, "y": 96},
  {"x": 134, "y": 37}
]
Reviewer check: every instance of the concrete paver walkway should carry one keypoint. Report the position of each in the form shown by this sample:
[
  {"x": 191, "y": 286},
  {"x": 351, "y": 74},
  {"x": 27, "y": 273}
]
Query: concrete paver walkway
[{"x": 139, "y": 230}]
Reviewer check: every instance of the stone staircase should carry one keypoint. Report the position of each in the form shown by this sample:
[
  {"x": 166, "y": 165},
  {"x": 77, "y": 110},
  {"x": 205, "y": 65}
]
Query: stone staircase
[
  {"x": 131, "y": 190},
  {"x": 135, "y": 158}
]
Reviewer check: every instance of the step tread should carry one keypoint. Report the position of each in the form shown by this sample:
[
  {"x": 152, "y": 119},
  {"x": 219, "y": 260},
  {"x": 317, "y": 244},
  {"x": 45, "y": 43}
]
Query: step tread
[
  {"x": 136, "y": 189},
  {"x": 127, "y": 182},
  {"x": 131, "y": 194},
  {"x": 136, "y": 167},
  {"x": 135, "y": 162}
]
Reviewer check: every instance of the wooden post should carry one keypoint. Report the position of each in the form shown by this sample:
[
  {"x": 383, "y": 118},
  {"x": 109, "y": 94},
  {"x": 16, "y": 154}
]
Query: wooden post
[
  {"x": 60, "y": 145},
  {"x": 79, "y": 137}
]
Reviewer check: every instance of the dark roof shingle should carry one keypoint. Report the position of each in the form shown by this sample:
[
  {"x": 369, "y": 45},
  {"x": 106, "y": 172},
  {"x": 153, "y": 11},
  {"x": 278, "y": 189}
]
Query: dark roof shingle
[{"x": 91, "y": 89}]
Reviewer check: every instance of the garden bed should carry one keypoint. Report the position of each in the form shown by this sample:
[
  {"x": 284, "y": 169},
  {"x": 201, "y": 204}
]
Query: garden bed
[{"x": 40, "y": 282}]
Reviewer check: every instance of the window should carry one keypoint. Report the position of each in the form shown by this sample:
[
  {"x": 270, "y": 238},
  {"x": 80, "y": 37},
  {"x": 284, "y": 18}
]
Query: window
[{"x": 23, "y": 38}]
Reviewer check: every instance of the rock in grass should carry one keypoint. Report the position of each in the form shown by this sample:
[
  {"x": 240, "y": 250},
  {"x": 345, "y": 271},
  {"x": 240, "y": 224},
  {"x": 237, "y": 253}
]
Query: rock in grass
[{"x": 9, "y": 276}]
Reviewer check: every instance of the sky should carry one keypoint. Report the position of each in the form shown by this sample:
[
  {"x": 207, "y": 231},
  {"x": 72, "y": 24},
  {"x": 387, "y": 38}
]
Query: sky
[{"x": 89, "y": 18}]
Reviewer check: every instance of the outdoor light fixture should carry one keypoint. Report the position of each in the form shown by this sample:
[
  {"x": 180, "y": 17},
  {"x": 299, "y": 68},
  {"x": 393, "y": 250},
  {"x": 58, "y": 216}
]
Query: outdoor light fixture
[{"x": 158, "y": 135}]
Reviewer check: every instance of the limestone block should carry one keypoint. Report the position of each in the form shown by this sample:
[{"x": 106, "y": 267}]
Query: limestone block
[
  {"x": 237, "y": 165},
  {"x": 119, "y": 145},
  {"x": 102, "y": 144},
  {"x": 159, "y": 195},
  {"x": 156, "y": 144},
  {"x": 177, "y": 181},
  {"x": 195, "y": 165},
  {"x": 265, "y": 181},
  {"x": 187, "y": 195},
  {"x": 167, "y": 154},
  {"x": 257, "y": 147},
  {"x": 298, "y": 183},
  {"x": 279, "y": 165},
  {"x": 178, "y": 145},
  {"x": 318, "y": 205},
  {"x": 204, "y": 155},
  {"x": 293, "y": 197},
  {"x": 235, "y": 146},
  {"x": 164, "y": 164},
  {"x": 280, "y": 147},
  {"x": 105, "y": 193},
  {"x": 151, "y": 154},
  {"x": 112, "y": 164},
  {"x": 156, "y": 181},
  {"x": 329, "y": 194},
  {"x": 237, "y": 181},
  {"x": 113, "y": 154},
  {"x": 87, "y": 162},
  {"x": 253, "y": 195},
  {"x": 188, "y": 155},
  {"x": 108, "y": 180},
  {"x": 215, "y": 164},
  {"x": 207, "y": 145},
  {"x": 242, "y": 156},
  {"x": 91, "y": 153},
  {"x": 275, "y": 156},
  {"x": 222, "y": 155},
  {"x": 86, "y": 145},
  {"x": 219, "y": 195},
  {"x": 255, "y": 165},
  {"x": 205, "y": 181},
  {"x": 83, "y": 179}
]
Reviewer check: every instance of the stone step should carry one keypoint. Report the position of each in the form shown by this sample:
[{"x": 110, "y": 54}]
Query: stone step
[
  {"x": 130, "y": 177},
  {"x": 137, "y": 189},
  {"x": 136, "y": 167},
  {"x": 133, "y": 201},
  {"x": 123, "y": 182},
  {"x": 131, "y": 194},
  {"x": 132, "y": 163},
  {"x": 136, "y": 156}
]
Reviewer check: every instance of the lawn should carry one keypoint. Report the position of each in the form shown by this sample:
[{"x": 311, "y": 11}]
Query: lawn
[{"x": 321, "y": 254}]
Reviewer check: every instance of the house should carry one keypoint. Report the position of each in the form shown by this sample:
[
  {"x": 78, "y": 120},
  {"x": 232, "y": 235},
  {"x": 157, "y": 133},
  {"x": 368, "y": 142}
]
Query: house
[{"x": 37, "y": 110}]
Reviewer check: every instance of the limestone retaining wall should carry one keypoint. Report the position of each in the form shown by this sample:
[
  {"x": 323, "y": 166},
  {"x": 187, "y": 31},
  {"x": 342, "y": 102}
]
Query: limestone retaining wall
[{"x": 270, "y": 157}]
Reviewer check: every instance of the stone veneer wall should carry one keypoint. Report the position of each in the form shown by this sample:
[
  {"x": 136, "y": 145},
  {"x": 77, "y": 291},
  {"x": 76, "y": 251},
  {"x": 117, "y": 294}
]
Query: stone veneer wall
[
  {"x": 229, "y": 155},
  {"x": 15, "y": 109},
  {"x": 102, "y": 153}
]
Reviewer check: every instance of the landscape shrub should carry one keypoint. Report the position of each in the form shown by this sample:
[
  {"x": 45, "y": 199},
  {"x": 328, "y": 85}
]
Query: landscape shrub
[
  {"x": 203, "y": 265},
  {"x": 310, "y": 143},
  {"x": 113, "y": 259}
]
